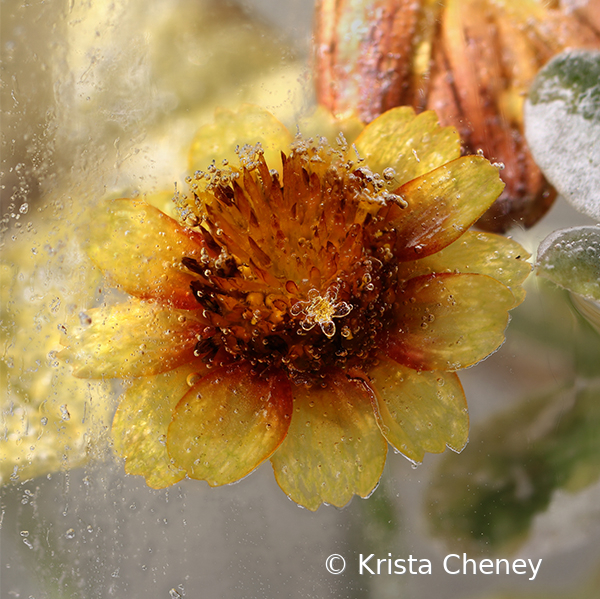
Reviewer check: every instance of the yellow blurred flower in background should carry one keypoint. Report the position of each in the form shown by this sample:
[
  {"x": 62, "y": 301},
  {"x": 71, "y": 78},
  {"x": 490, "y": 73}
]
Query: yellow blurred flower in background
[
  {"x": 49, "y": 420},
  {"x": 309, "y": 304}
]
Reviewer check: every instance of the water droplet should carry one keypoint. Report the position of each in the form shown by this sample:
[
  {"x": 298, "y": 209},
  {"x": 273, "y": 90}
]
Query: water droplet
[
  {"x": 70, "y": 534},
  {"x": 389, "y": 173},
  {"x": 193, "y": 378},
  {"x": 297, "y": 308},
  {"x": 84, "y": 319},
  {"x": 64, "y": 412}
]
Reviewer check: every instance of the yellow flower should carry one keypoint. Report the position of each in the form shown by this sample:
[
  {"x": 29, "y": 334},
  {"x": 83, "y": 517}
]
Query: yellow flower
[
  {"x": 472, "y": 61},
  {"x": 309, "y": 305},
  {"x": 49, "y": 420}
]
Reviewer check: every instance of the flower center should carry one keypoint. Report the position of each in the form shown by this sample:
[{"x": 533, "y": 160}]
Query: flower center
[{"x": 286, "y": 252}]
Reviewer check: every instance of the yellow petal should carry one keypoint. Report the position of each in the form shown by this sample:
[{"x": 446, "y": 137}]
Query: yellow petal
[
  {"x": 249, "y": 125},
  {"x": 228, "y": 423},
  {"x": 321, "y": 123},
  {"x": 334, "y": 448},
  {"x": 140, "y": 248},
  {"x": 140, "y": 425},
  {"x": 419, "y": 411},
  {"x": 442, "y": 205},
  {"x": 451, "y": 321},
  {"x": 476, "y": 252},
  {"x": 132, "y": 339},
  {"x": 411, "y": 145}
]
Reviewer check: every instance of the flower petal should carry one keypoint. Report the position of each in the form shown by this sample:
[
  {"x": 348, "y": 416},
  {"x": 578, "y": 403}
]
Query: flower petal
[
  {"x": 442, "y": 205},
  {"x": 141, "y": 248},
  {"x": 449, "y": 321},
  {"x": 132, "y": 339},
  {"x": 419, "y": 411},
  {"x": 140, "y": 424},
  {"x": 249, "y": 125},
  {"x": 334, "y": 448},
  {"x": 322, "y": 123},
  {"x": 476, "y": 252},
  {"x": 228, "y": 423},
  {"x": 411, "y": 145}
]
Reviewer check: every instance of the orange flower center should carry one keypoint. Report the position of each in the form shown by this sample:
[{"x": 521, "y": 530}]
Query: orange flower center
[{"x": 297, "y": 270}]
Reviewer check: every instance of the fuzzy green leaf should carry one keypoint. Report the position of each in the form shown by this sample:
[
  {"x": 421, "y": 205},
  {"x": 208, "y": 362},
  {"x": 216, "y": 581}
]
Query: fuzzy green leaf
[
  {"x": 566, "y": 94},
  {"x": 571, "y": 258}
]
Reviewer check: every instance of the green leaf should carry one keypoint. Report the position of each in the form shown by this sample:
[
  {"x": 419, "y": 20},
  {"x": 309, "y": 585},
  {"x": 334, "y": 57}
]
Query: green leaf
[
  {"x": 562, "y": 125},
  {"x": 589, "y": 309},
  {"x": 571, "y": 258},
  {"x": 513, "y": 466}
]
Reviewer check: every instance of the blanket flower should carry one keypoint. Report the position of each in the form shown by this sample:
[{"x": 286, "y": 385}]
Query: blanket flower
[{"x": 309, "y": 304}]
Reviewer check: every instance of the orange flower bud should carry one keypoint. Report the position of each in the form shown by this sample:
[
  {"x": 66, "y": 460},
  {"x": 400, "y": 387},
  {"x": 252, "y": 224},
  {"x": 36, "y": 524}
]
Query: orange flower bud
[{"x": 471, "y": 61}]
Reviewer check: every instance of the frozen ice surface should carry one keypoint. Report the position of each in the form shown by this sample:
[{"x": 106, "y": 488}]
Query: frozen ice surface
[{"x": 562, "y": 125}]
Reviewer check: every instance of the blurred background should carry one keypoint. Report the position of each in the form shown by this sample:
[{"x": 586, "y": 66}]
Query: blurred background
[{"x": 104, "y": 98}]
